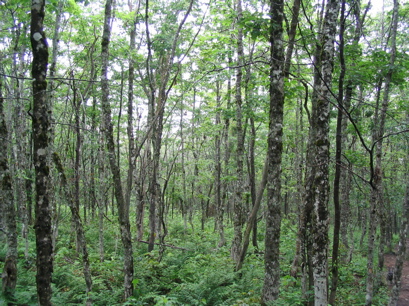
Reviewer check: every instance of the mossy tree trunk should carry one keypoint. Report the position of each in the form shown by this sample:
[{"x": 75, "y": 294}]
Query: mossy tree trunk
[
  {"x": 317, "y": 183},
  {"x": 274, "y": 152},
  {"x": 123, "y": 211},
  {"x": 239, "y": 187},
  {"x": 9, "y": 276},
  {"x": 42, "y": 139}
]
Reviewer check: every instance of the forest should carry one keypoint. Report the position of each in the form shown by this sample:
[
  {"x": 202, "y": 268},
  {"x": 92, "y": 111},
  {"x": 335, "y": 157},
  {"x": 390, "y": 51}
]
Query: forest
[{"x": 204, "y": 152}]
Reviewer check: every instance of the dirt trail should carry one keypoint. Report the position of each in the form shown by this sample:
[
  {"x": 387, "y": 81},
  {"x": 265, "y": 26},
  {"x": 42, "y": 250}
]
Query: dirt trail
[{"x": 404, "y": 291}]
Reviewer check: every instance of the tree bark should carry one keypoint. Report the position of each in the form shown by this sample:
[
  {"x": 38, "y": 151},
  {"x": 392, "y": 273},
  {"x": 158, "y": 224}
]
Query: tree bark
[
  {"x": 317, "y": 183},
  {"x": 338, "y": 150},
  {"x": 238, "y": 203},
  {"x": 123, "y": 211},
  {"x": 218, "y": 173},
  {"x": 9, "y": 276},
  {"x": 397, "y": 271},
  {"x": 377, "y": 188},
  {"x": 42, "y": 139},
  {"x": 275, "y": 148}
]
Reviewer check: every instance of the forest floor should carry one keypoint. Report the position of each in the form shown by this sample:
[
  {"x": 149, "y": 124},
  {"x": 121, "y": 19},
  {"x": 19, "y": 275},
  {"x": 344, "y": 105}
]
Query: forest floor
[{"x": 404, "y": 291}]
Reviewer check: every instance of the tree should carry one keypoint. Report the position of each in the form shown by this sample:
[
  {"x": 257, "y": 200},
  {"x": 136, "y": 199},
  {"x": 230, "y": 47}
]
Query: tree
[
  {"x": 42, "y": 139},
  {"x": 9, "y": 276},
  {"x": 161, "y": 75},
  {"x": 274, "y": 153},
  {"x": 123, "y": 210},
  {"x": 78, "y": 226},
  {"x": 317, "y": 183},
  {"x": 239, "y": 188},
  {"x": 376, "y": 199}
]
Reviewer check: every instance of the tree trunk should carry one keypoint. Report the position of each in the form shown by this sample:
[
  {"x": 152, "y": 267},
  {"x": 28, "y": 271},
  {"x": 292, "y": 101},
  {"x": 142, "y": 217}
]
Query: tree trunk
[
  {"x": 238, "y": 203},
  {"x": 42, "y": 139},
  {"x": 78, "y": 226},
  {"x": 397, "y": 271},
  {"x": 275, "y": 148},
  {"x": 376, "y": 179},
  {"x": 317, "y": 184},
  {"x": 9, "y": 276},
  {"x": 218, "y": 173},
  {"x": 338, "y": 151},
  {"x": 123, "y": 211}
]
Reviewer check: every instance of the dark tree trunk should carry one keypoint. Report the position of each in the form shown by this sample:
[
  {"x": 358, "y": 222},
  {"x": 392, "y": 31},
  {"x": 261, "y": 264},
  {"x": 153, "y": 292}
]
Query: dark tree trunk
[
  {"x": 377, "y": 182},
  {"x": 275, "y": 149},
  {"x": 123, "y": 211},
  {"x": 42, "y": 139},
  {"x": 9, "y": 276},
  {"x": 338, "y": 151},
  {"x": 218, "y": 173}
]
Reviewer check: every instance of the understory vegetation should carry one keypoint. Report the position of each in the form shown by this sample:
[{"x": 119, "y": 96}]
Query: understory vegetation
[{"x": 192, "y": 270}]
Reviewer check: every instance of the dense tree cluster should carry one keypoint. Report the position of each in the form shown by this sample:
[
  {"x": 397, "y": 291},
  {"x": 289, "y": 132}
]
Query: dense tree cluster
[{"x": 249, "y": 116}]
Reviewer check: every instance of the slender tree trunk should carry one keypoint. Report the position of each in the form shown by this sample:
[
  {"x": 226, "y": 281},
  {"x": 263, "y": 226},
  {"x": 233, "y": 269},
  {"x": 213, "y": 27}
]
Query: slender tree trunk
[
  {"x": 141, "y": 196},
  {"x": 76, "y": 194},
  {"x": 78, "y": 226},
  {"x": 275, "y": 149},
  {"x": 130, "y": 132},
  {"x": 42, "y": 138},
  {"x": 338, "y": 151},
  {"x": 102, "y": 188},
  {"x": 377, "y": 188},
  {"x": 238, "y": 203},
  {"x": 291, "y": 33},
  {"x": 9, "y": 276},
  {"x": 218, "y": 173},
  {"x": 123, "y": 211},
  {"x": 397, "y": 271},
  {"x": 253, "y": 216},
  {"x": 299, "y": 164}
]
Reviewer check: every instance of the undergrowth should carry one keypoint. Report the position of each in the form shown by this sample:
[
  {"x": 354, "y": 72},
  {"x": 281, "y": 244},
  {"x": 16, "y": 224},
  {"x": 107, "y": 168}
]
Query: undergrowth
[{"x": 195, "y": 273}]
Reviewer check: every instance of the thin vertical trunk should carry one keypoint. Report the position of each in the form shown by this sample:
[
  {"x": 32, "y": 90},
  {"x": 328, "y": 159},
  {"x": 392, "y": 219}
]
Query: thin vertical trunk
[
  {"x": 299, "y": 166},
  {"x": 346, "y": 174},
  {"x": 9, "y": 276},
  {"x": 377, "y": 188},
  {"x": 76, "y": 195},
  {"x": 275, "y": 149},
  {"x": 130, "y": 131},
  {"x": 123, "y": 211},
  {"x": 218, "y": 172},
  {"x": 50, "y": 99},
  {"x": 78, "y": 226},
  {"x": 141, "y": 196},
  {"x": 291, "y": 35},
  {"x": 160, "y": 83},
  {"x": 238, "y": 203},
  {"x": 252, "y": 178},
  {"x": 397, "y": 271},
  {"x": 338, "y": 151},
  {"x": 101, "y": 195},
  {"x": 42, "y": 139},
  {"x": 253, "y": 216}
]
